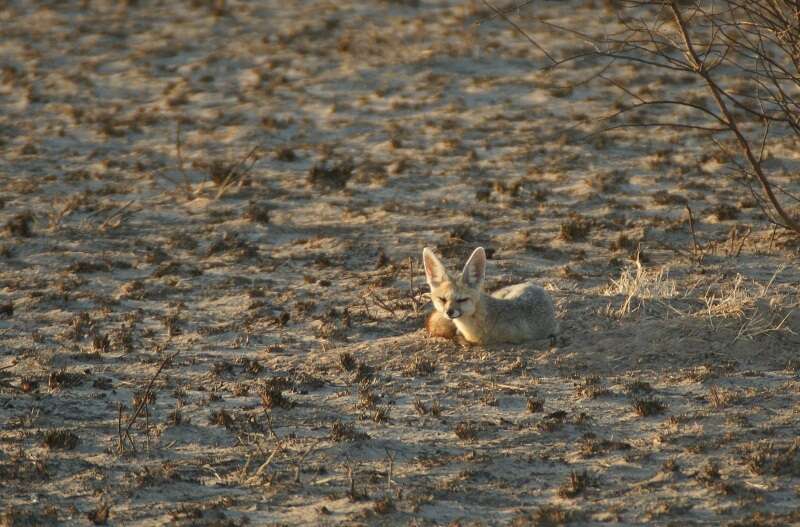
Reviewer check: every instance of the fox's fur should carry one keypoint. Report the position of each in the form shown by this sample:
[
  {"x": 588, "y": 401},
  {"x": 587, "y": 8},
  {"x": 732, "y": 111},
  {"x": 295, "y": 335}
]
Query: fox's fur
[{"x": 513, "y": 314}]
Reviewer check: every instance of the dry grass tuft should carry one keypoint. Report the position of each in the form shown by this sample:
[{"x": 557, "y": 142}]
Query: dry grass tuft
[
  {"x": 721, "y": 398},
  {"x": 347, "y": 361},
  {"x": 759, "y": 308},
  {"x": 638, "y": 387},
  {"x": 535, "y": 404},
  {"x": 545, "y": 516},
  {"x": 639, "y": 286},
  {"x": 435, "y": 409},
  {"x": 648, "y": 407},
  {"x": 576, "y": 484},
  {"x": 20, "y": 225},
  {"x": 221, "y": 418},
  {"x": 60, "y": 439},
  {"x": 773, "y": 458},
  {"x": 346, "y": 432},
  {"x": 575, "y": 228},
  {"x": 331, "y": 175},
  {"x": 466, "y": 431},
  {"x": 591, "y": 387},
  {"x": 271, "y": 395},
  {"x": 419, "y": 366},
  {"x": 384, "y": 505}
]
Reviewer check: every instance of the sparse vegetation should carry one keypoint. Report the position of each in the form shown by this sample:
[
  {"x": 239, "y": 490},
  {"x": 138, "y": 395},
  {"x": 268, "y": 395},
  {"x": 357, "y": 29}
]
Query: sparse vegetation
[
  {"x": 466, "y": 431},
  {"x": 576, "y": 484},
  {"x": 346, "y": 432},
  {"x": 592, "y": 387},
  {"x": 535, "y": 405},
  {"x": 648, "y": 407},
  {"x": 60, "y": 439},
  {"x": 576, "y": 228},
  {"x": 212, "y": 303}
]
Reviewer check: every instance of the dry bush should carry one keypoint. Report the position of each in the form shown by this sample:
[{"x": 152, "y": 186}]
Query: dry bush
[{"x": 738, "y": 65}]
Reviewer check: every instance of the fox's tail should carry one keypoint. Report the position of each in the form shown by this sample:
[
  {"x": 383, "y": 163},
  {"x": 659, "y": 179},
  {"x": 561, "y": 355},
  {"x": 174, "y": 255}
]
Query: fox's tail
[{"x": 439, "y": 326}]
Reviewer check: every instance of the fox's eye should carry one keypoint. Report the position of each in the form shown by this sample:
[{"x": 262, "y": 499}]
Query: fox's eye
[
  {"x": 442, "y": 300},
  {"x": 462, "y": 300}
]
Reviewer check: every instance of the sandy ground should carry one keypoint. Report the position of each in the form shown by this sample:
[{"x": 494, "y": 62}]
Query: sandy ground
[{"x": 239, "y": 194}]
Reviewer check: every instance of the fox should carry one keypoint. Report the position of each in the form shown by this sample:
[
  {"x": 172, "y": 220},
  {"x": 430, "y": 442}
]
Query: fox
[{"x": 512, "y": 315}]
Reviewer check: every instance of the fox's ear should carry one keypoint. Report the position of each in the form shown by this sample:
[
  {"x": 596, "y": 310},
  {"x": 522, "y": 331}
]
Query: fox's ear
[
  {"x": 475, "y": 269},
  {"x": 434, "y": 270}
]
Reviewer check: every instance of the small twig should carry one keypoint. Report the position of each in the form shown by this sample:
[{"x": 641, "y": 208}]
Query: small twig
[
  {"x": 234, "y": 173},
  {"x": 120, "y": 443},
  {"x": 246, "y": 466},
  {"x": 520, "y": 30},
  {"x": 147, "y": 392},
  {"x": 381, "y": 304},
  {"x": 390, "y": 472},
  {"x": 744, "y": 239},
  {"x": 511, "y": 387},
  {"x": 351, "y": 478},
  {"x": 147, "y": 427},
  {"x": 130, "y": 440},
  {"x": 213, "y": 471},
  {"x": 116, "y": 213},
  {"x": 265, "y": 464},
  {"x": 179, "y": 155},
  {"x": 299, "y": 463},
  {"x": 696, "y": 248}
]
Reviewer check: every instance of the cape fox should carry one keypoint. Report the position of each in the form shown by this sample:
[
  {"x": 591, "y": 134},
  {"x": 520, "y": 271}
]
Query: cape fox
[{"x": 513, "y": 314}]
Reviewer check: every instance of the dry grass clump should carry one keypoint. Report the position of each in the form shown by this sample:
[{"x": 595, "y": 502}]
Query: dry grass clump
[
  {"x": 591, "y": 446},
  {"x": 347, "y": 362},
  {"x": 638, "y": 387},
  {"x": 240, "y": 389},
  {"x": 384, "y": 505},
  {"x": 648, "y": 407},
  {"x": 576, "y": 484},
  {"x": 768, "y": 519},
  {"x": 575, "y": 228},
  {"x": 99, "y": 516},
  {"x": 721, "y": 398},
  {"x": 545, "y": 516},
  {"x": 60, "y": 439},
  {"x": 535, "y": 404},
  {"x": 143, "y": 397},
  {"x": 419, "y": 366},
  {"x": 639, "y": 286},
  {"x": 271, "y": 395},
  {"x": 772, "y": 458},
  {"x": 591, "y": 387},
  {"x": 346, "y": 432},
  {"x": 257, "y": 212},
  {"x": 764, "y": 308},
  {"x": 62, "y": 379},
  {"x": 221, "y": 418},
  {"x": 20, "y": 225},
  {"x": 435, "y": 409},
  {"x": 606, "y": 181},
  {"x": 331, "y": 175},
  {"x": 662, "y": 197},
  {"x": 466, "y": 431}
]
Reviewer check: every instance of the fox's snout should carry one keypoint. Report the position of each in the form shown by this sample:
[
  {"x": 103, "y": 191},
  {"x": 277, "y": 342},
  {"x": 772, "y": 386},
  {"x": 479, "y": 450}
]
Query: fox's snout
[{"x": 453, "y": 313}]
